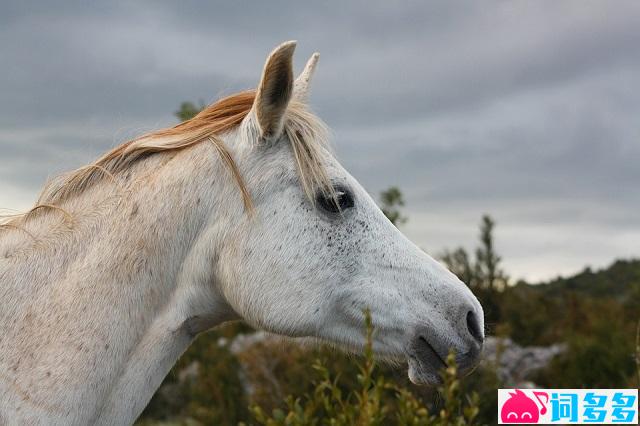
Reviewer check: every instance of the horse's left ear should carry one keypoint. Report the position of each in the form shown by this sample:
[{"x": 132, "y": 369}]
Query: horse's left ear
[{"x": 274, "y": 91}]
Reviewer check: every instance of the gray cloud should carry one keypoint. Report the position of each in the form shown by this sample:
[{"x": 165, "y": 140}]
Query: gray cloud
[{"x": 527, "y": 111}]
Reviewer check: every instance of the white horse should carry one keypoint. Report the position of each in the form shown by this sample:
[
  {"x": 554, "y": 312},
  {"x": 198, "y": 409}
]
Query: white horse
[{"x": 106, "y": 282}]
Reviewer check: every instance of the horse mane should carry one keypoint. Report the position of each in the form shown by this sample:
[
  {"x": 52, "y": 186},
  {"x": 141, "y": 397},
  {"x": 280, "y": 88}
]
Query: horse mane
[{"x": 305, "y": 131}]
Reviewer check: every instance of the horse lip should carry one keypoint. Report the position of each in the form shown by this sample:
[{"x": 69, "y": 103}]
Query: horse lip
[
  {"x": 425, "y": 362},
  {"x": 421, "y": 374},
  {"x": 443, "y": 363}
]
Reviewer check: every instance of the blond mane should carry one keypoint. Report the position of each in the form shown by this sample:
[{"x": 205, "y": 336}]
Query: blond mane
[{"x": 306, "y": 133}]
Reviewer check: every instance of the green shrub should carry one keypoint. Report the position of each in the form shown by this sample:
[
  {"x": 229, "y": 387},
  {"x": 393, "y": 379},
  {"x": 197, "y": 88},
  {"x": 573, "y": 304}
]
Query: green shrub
[{"x": 374, "y": 401}]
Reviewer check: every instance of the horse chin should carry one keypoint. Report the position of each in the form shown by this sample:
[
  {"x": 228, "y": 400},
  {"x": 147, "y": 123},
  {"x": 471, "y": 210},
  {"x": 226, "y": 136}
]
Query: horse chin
[{"x": 422, "y": 374}]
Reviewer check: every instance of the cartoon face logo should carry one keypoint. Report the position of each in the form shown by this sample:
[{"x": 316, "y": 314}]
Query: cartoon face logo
[{"x": 519, "y": 408}]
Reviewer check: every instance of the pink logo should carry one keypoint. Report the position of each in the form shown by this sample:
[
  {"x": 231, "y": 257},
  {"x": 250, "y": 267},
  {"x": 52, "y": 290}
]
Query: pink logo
[{"x": 519, "y": 408}]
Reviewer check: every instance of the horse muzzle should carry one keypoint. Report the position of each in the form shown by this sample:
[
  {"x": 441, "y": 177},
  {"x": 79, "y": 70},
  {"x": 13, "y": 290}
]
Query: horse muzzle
[{"x": 428, "y": 350}]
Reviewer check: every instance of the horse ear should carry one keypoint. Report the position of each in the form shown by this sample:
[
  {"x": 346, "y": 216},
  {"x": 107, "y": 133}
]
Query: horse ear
[
  {"x": 274, "y": 91},
  {"x": 301, "y": 85}
]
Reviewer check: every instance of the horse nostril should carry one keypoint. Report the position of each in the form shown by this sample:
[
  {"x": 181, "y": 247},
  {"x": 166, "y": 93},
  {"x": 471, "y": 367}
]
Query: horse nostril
[{"x": 474, "y": 327}]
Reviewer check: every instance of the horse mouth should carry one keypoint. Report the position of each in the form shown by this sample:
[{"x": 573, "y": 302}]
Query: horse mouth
[
  {"x": 425, "y": 363},
  {"x": 419, "y": 374}
]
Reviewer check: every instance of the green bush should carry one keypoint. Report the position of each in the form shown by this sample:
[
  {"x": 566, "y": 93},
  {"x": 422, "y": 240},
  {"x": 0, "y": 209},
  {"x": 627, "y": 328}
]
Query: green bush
[{"x": 374, "y": 401}]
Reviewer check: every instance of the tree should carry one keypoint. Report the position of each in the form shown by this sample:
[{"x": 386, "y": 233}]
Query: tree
[
  {"x": 459, "y": 262},
  {"x": 487, "y": 268},
  {"x": 484, "y": 275},
  {"x": 391, "y": 200},
  {"x": 485, "y": 271},
  {"x": 188, "y": 110}
]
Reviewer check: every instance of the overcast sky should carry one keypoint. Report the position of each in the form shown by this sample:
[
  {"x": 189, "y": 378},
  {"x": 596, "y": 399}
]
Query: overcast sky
[{"x": 528, "y": 111}]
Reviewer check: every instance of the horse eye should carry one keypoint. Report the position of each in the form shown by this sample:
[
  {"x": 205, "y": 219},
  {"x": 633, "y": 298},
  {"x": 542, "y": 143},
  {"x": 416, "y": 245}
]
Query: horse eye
[{"x": 343, "y": 200}]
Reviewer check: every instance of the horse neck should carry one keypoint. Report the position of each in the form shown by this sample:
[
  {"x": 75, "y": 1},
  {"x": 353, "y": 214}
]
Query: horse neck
[{"x": 100, "y": 312}]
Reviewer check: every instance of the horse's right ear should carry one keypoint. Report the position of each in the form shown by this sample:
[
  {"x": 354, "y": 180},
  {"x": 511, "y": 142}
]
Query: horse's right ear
[
  {"x": 274, "y": 91},
  {"x": 301, "y": 85}
]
